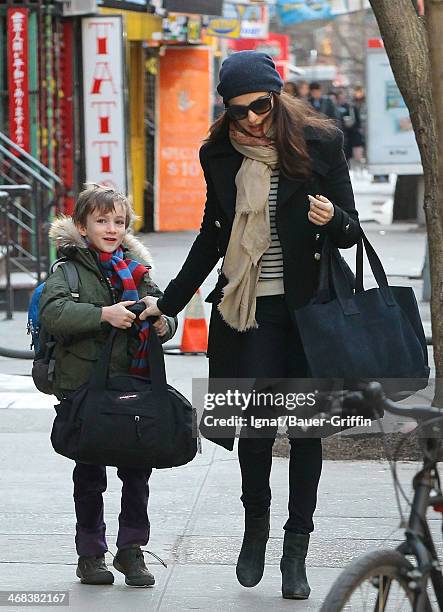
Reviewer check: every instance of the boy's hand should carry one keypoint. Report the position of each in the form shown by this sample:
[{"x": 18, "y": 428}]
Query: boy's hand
[
  {"x": 161, "y": 326},
  {"x": 151, "y": 309},
  {"x": 118, "y": 315}
]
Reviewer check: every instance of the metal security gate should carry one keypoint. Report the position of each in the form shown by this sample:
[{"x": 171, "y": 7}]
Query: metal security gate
[{"x": 33, "y": 190}]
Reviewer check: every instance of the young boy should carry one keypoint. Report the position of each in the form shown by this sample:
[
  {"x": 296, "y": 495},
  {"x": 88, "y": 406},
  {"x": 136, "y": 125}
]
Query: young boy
[{"x": 111, "y": 264}]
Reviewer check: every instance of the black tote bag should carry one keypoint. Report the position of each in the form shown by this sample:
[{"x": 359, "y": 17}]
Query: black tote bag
[
  {"x": 355, "y": 335},
  {"x": 126, "y": 421}
]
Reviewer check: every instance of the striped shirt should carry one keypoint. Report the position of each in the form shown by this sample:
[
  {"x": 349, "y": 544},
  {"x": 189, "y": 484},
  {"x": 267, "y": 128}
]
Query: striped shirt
[{"x": 272, "y": 259}]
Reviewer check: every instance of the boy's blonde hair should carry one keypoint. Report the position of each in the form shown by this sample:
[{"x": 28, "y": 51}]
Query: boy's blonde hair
[{"x": 101, "y": 198}]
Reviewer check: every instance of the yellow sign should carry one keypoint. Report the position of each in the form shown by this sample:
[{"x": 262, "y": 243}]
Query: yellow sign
[
  {"x": 139, "y": 26},
  {"x": 224, "y": 28}
]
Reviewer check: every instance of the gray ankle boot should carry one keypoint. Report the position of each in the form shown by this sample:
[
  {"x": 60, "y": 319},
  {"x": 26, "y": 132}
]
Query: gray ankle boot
[
  {"x": 251, "y": 560},
  {"x": 292, "y": 566}
]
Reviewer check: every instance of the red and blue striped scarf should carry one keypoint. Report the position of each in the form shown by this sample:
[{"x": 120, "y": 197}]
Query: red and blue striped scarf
[{"x": 125, "y": 276}]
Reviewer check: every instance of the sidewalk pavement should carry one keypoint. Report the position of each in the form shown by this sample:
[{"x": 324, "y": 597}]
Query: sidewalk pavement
[
  {"x": 195, "y": 512},
  {"x": 196, "y": 526}
]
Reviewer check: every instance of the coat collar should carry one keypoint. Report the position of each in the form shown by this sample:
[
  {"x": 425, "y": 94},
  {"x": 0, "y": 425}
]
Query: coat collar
[
  {"x": 64, "y": 234},
  {"x": 225, "y": 161}
]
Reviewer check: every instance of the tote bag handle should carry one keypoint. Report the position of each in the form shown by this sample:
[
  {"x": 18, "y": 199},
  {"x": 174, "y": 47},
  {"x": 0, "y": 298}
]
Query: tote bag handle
[
  {"x": 376, "y": 267},
  {"x": 333, "y": 275},
  {"x": 334, "y": 279}
]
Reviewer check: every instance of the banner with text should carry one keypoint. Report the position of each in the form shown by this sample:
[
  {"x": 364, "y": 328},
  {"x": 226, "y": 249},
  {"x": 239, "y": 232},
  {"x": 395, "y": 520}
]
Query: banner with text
[
  {"x": 104, "y": 97},
  {"x": 391, "y": 145},
  {"x": 240, "y": 21},
  {"x": 18, "y": 80},
  {"x": 183, "y": 120}
]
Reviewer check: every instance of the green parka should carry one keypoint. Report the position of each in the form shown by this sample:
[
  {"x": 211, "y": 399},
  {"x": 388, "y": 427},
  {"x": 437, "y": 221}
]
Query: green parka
[{"x": 77, "y": 326}]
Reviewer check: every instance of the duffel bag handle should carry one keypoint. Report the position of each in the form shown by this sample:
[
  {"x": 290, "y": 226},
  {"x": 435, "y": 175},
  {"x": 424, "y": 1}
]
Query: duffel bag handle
[{"x": 156, "y": 361}]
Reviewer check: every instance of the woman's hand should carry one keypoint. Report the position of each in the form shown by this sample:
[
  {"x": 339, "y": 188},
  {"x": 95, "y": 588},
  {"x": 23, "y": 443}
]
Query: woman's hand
[
  {"x": 321, "y": 210},
  {"x": 151, "y": 309},
  {"x": 161, "y": 326}
]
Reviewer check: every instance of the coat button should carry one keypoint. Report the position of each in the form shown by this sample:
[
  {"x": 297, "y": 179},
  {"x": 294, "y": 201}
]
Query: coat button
[
  {"x": 317, "y": 236},
  {"x": 347, "y": 227},
  {"x": 317, "y": 256},
  {"x": 217, "y": 223}
]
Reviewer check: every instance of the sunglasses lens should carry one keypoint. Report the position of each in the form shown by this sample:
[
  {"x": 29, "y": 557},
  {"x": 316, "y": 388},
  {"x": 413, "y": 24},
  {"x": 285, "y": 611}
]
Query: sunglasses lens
[
  {"x": 237, "y": 112},
  {"x": 261, "y": 106}
]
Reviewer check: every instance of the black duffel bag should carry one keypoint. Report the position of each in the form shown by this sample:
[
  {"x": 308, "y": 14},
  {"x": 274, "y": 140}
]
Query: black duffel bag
[
  {"x": 355, "y": 335},
  {"x": 127, "y": 421}
]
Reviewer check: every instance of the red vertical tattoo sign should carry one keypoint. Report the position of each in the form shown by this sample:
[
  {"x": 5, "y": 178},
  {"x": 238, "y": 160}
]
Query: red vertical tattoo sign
[
  {"x": 67, "y": 145},
  {"x": 18, "y": 81},
  {"x": 104, "y": 101}
]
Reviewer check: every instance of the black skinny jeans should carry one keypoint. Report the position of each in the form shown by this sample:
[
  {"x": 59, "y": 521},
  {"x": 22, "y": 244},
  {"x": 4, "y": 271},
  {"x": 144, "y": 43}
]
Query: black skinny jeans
[{"x": 274, "y": 350}]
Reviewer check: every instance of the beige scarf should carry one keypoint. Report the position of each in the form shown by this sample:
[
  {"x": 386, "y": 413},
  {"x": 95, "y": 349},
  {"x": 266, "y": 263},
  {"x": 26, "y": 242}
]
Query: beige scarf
[{"x": 250, "y": 235}]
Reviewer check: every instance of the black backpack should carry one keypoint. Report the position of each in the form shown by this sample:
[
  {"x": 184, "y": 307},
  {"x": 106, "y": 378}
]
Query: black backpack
[{"x": 42, "y": 342}]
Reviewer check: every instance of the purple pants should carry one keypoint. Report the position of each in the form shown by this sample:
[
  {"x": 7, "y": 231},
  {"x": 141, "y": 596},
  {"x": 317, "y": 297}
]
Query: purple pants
[{"x": 89, "y": 485}]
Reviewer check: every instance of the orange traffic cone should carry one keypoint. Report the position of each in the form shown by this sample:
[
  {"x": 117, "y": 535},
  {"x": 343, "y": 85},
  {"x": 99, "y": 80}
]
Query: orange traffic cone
[{"x": 195, "y": 330}]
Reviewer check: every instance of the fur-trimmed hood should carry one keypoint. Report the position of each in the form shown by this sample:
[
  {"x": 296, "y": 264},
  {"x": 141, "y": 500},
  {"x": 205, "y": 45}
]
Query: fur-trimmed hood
[{"x": 64, "y": 234}]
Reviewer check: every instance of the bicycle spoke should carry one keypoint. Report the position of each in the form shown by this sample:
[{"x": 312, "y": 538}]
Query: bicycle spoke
[
  {"x": 379, "y": 593},
  {"x": 383, "y": 596}
]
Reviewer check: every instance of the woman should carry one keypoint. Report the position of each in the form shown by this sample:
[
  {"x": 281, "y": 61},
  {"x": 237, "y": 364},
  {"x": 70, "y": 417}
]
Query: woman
[
  {"x": 348, "y": 122},
  {"x": 264, "y": 161},
  {"x": 290, "y": 88},
  {"x": 358, "y": 135}
]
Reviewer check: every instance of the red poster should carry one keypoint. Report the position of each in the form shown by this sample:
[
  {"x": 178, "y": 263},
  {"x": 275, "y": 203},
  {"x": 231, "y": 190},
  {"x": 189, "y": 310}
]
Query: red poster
[
  {"x": 183, "y": 122},
  {"x": 66, "y": 146},
  {"x": 18, "y": 81}
]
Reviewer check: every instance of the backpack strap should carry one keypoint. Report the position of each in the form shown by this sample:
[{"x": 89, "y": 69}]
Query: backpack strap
[
  {"x": 70, "y": 273},
  {"x": 72, "y": 278}
]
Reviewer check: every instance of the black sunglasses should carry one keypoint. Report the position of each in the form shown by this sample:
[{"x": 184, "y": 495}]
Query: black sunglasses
[{"x": 260, "y": 106}]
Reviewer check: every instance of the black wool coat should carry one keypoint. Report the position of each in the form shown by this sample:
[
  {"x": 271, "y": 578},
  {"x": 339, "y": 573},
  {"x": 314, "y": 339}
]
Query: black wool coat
[{"x": 300, "y": 239}]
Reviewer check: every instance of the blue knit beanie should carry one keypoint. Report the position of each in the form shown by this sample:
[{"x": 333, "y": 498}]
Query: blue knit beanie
[{"x": 245, "y": 72}]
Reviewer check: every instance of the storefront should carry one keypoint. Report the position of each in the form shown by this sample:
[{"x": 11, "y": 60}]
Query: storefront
[
  {"x": 169, "y": 72},
  {"x": 116, "y": 98},
  {"x": 138, "y": 29},
  {"x": 37, "y": 75}
]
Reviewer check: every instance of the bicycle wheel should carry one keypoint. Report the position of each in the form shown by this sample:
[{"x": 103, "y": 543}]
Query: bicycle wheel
[{"x": 375, "y": 582}]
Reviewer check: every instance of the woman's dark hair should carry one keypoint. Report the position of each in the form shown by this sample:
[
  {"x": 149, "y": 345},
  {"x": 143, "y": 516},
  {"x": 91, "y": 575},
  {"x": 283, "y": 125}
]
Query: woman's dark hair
[{"x": 290, "y": 116}]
